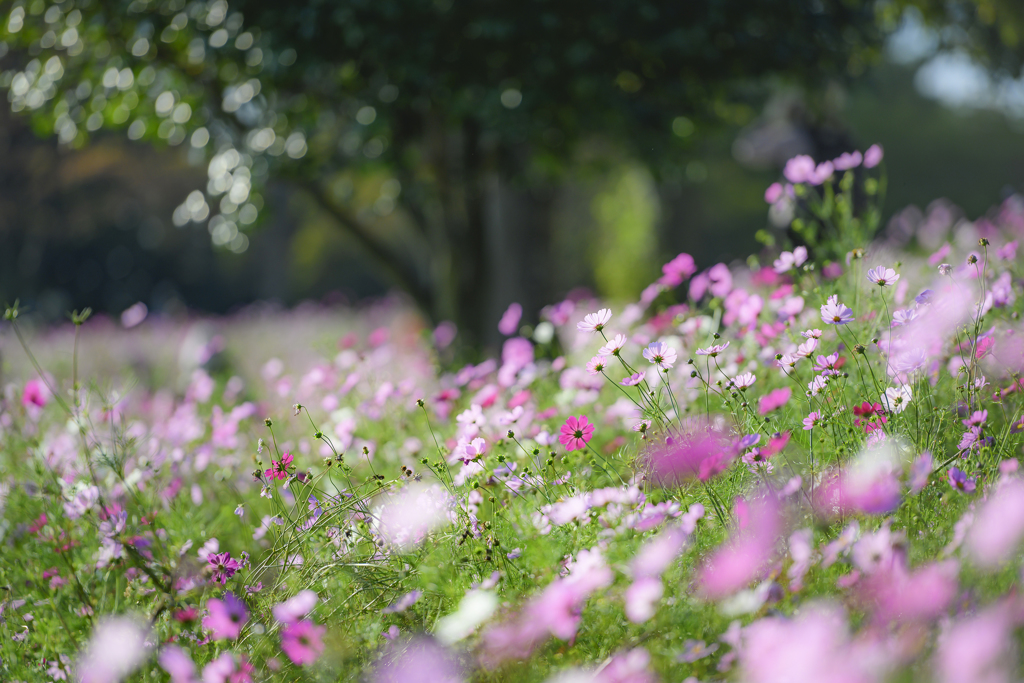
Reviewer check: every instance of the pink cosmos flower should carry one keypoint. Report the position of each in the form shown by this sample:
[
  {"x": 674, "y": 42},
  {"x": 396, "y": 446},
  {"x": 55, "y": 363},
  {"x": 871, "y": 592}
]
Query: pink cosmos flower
[
  {"x": 848, "y": 160},
  {"x": 959, "y": 480},
  {"x": 882, "y": 276},
  {"x": 510, "y": 319},
  {"x": 740, "y": 559},
  {"x": 414, "y": 511},
  {"x": 773, "y": 193},
  {"x": 226, "y": 617},
  {"x": 421, "y": 660},
  {"x": 597, "y": 365},
  {"x": 642, "y": 597},
  {"x": 228, "y": 668},
  {"x": 744, "y": 381},
  {"x": 575, "y": 433},
  {"x": 677, "y": 270},
  {"x": 701, "y": 453},
  {"x": 811, "y": 334},
  {"x": 178, "y": 665},
  {"x": 295, "y": 607},
  {"x": 595, "y": 322},
  {"x": 720, "y": 280},
  {"x": 835, "y": 313},
  {"x": 998, "y": 526},
  {"x": 978, "y": 648},
  {"x": 279, "y": 468},
  {"x": 613, "y": 346},
  {"x": 660, "y": 354},
  {"x": 713, "y": 350},
  {"x": 873, "y": 156},
  {"x": 35, "y": 394},
  {"x": 822, "y": 172},
  {"x": 799, "y": 169},
  {"x": 633, "y": 380},
  {"x": 223, "y": 566},
  {"x": 302, "y": 642},
  {"x": 774, "y": 400},
  {"x": 790, "y": 259},
  {"x": 812, "y": 420}
]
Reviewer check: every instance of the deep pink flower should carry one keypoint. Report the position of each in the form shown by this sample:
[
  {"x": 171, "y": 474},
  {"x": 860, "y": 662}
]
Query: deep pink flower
[
  {"x": 279, "y": 468},
  {"x": 812, "y": 420},
  {"x": 35, "y": 394},
  {"x": 226, "y": 617},
  {"x": 677, "y": 270},
  {"x": 774, "y": 400},
  {"x": 773, "y": 193},
  {"x": 303, "y": 642},
  {"x": 224, "y": 567},
  {"x": 575, "y": 433}
]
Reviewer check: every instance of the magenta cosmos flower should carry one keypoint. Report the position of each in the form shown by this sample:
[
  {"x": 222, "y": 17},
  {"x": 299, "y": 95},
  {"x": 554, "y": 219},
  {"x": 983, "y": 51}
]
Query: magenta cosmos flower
[
  {"x": 575, "y": 433},
  {"x": 279, "y": 468},
  {"x": 303, "y": 642},
  {"x": 226, "y": 617},
  {"x": 224, "y": 567}
]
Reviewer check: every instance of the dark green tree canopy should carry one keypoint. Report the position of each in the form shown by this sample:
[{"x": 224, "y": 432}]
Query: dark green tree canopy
[{"x": 434, "y": 96}]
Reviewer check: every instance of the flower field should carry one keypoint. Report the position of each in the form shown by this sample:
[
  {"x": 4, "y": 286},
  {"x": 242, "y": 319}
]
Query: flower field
[{"x": 800, "y": 468}]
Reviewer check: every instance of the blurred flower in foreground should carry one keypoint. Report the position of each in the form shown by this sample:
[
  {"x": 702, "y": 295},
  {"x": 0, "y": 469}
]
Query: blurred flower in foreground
[
  {"x": 740, "y": 560},
  {"x": 420, "y": 660},
  {"x": 117, "y": 647},
  {"x": 411, "y": 513}
]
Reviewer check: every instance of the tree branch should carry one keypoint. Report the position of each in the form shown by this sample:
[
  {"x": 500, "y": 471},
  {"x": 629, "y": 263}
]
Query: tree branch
[{"x": 401, "y": 272}]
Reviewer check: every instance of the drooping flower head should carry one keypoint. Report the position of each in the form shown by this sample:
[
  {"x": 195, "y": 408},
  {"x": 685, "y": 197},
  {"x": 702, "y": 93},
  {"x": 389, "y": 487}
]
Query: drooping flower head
[
  {"x": 713, "y": 350},
  {"x": 575, "y": 433}
]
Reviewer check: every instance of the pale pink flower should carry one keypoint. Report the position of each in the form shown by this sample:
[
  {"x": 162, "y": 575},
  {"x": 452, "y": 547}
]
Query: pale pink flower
[
  {"x": 873, "y": 156},
  {"x": 421, "y": 660},
  {"x": 847, "y": 160},
  {"x": 613, "y": 346},
  {"x": 642, "y": 597},
  {"x": 660, "y": 354},
  {"x": 745, "y": 381},
  {"x": 595, "y": 322},
  {"x": 741, "y": 559},
  {"x": 413, "y": 512},
  {"x": 799, "y": 169},
  {"x": 896, "y": 399},
  {"x": 822, "y": 172},
  {"x": 882, "y": 276},
  {"x": 510, "y": 319},
  {"x": 597, "y": 365},
  {"x": 835, "y": 313},
  {"x": 713, "y": 350},
  {"x": 178, "y": 665},
  {"x": 117, "y": 647},
  {"x": 998, "y": 526},
  {"x": 295, "y": 607},
  {"x": 978, "y": 649}
]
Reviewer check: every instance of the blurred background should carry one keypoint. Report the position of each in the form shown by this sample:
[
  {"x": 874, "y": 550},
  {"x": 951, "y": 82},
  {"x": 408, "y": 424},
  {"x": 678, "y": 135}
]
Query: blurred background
[{"x": 201, "y": 156}]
